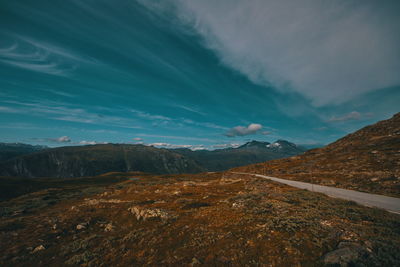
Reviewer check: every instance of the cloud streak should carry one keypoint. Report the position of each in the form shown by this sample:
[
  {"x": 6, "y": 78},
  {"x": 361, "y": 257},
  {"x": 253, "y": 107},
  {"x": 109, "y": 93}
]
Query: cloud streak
[
  {"x": 35, "y": 56},
  {"x": 328, "y": 51},
  {"x": 354, "y": 115}
]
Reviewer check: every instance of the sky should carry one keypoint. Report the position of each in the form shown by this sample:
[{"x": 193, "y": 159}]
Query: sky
[{"x": 196, "y": 74}]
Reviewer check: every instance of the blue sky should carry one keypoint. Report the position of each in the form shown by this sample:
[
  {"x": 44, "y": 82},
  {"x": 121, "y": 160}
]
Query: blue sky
[{"x": 200, "y": 74}]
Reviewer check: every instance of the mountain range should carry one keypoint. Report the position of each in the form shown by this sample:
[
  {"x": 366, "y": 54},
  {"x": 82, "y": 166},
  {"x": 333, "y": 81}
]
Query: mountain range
[
  {"x": 90, "y": 160},
  {"x": 250, "y": 152}
]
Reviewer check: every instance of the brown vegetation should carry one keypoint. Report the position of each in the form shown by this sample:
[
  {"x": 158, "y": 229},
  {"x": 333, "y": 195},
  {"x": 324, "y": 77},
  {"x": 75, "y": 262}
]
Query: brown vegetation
[{"x": 189, "y": 220}]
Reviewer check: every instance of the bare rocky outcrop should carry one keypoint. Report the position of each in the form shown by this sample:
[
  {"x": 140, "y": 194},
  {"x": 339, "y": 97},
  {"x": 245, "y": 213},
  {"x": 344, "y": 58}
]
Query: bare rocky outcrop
[{"x": 153, "y": 213}]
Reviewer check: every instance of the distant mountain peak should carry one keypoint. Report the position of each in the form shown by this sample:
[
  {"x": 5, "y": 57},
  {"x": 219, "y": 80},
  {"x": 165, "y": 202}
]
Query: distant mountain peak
[
  {"x": 254, "y": 143},
  {"x": 282, "y": 144}
]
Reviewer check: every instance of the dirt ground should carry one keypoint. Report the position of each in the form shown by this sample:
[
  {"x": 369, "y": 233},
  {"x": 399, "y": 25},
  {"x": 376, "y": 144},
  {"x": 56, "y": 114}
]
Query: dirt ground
[{"x": 209, "y": 219}]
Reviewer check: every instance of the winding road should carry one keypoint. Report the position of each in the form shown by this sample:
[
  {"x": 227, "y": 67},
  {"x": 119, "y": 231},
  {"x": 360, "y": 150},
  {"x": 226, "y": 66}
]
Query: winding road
[{"x": 390, "y": 204}]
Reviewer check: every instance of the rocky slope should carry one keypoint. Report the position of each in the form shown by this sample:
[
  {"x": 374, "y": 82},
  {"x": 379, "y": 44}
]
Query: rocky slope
[
  {"x": 218, "y": 219},
  {"x": 251, "y": 152},
  {"x": 366, "y": 160},
  {"x": 97, "y": 159}
]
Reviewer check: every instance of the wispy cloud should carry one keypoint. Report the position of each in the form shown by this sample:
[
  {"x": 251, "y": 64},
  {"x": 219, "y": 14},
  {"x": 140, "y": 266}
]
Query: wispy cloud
[
  {"x": 188, "y": 138},
  {"x": 73, "y": 119},
  {"x": 8, "y": 110},
  {"x": 190, "y": 109},
  {"x": 242, "y": 131},
  {"x": 354, "y": 115},
  {"x": 61, "y": 112},
  {"x": 329, "y": 51},
  {"x": 203, "y": 124},
  {"x": 145, "y": 115},
  {"x": 36, "y": 56}
]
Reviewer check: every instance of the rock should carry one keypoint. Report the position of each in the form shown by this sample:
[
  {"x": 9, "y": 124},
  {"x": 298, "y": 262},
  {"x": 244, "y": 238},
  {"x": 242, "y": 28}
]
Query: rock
[
  {"x": 38, "y": 248},
  {"x": 237, "y": 205},
  {"x": 195, "y": 262},
  {"x": 109, "y": 227},
  {"x": 347, "y": 254},
  {"x": 144, "y": 214},
  {"x": 81, "y": 226}
]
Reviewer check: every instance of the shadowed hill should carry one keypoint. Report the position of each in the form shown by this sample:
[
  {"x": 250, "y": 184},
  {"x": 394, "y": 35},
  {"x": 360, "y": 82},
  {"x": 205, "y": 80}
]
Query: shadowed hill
[
  {"x": 366, "y": 160},
  {"x": 97, "y": 159}
]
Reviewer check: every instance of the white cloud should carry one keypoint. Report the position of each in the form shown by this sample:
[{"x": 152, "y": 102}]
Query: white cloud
[
  {"x": 84, "y": 142},
  {"x": 242, "y": 131},
  {"x": 354, "y": 115},
  {"x": 219, "y": 146},
  {"x": 160, "y": 144},
  {"x": 329, "y": 51},
  {"x": 138, "y": 139},
  {"x": 197, "y": 147},
  {"x": 62, "y": 139},
  {"x": 172, "y": 146}
]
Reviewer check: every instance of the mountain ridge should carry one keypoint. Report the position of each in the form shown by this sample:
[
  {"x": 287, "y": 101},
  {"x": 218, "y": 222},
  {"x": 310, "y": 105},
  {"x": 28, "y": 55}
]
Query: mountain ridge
[
  {"x": 12, "y": 150},
  {"x": 77, "y": 161},
  {"x": 248, "y": 153}
]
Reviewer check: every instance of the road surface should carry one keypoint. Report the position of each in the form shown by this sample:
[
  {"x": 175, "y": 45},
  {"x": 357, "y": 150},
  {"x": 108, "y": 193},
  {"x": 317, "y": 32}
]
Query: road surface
[{"x": 391, "y": 204}]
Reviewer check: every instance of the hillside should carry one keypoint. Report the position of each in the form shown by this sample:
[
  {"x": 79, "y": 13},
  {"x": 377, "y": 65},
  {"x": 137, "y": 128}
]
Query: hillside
[
  {"x": 97, "y": 159},
  {"x": 251, "y": 152},
  {"x": 366, "y": 160},
  {"x": 217, "y": 219},
  {"x": 12, "y": 150}
]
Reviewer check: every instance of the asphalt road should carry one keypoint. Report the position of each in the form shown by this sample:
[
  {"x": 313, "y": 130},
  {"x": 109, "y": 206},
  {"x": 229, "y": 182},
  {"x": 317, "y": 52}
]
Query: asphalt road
[{"x": 391, "y": 204}]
